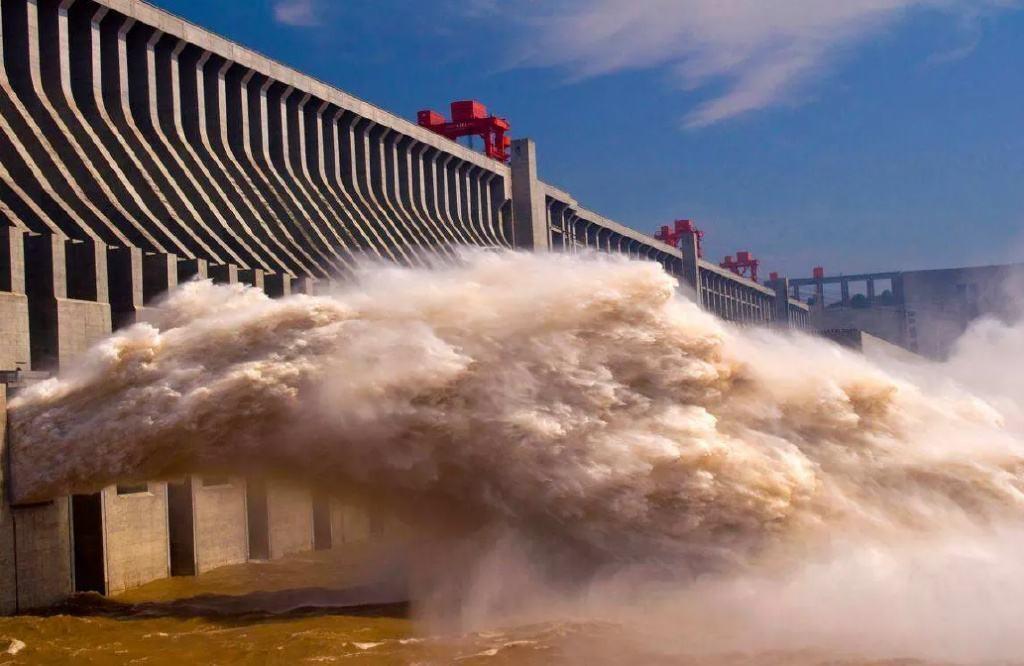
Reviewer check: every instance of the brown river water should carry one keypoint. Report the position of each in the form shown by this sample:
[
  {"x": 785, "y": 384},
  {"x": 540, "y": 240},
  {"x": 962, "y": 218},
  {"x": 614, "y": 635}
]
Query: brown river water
[{"x": 294, "y": 611}]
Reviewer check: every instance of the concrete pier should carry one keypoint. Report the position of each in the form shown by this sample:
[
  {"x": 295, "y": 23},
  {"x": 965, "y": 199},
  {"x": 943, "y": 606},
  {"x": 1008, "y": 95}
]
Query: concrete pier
[
  {"x": 14, "y": 327},
  {"x": 135, "y": 534},
  {"x": 350, "y": 522},
  {"x": 8, "y": 579},
  {"x": 290, "y": 518},
  {"x": 42, "y": 553},
  {"x": 220, "y": 523}
]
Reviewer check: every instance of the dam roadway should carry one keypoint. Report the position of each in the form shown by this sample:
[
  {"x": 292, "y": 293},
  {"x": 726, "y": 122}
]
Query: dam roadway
[{"x": 138, "y": 151}]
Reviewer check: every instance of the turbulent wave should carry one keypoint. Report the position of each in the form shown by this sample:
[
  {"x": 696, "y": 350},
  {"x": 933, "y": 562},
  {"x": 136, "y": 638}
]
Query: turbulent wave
[
  {"x": 813, "y": 497},
  {"x": 583, "y": 397}
]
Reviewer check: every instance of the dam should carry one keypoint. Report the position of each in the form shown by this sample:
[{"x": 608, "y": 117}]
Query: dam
[{"x": 138, "y": 152}]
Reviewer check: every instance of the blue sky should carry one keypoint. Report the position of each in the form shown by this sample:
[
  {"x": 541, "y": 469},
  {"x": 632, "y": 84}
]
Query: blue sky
[{"x": 857, "y": 134}]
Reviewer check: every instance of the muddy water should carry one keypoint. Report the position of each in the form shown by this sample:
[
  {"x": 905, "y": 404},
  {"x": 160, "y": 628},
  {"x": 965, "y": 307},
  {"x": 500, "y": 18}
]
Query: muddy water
[{"x": 309, "y": 609}]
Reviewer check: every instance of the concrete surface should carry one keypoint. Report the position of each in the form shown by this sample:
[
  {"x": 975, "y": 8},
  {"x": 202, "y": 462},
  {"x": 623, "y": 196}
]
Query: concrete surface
[
  {"x": 8, "y": 582},
  {"x": 135, "y": 535},
  {"x": 290, "y": 518},
  {"x": 220, "y": 527}
]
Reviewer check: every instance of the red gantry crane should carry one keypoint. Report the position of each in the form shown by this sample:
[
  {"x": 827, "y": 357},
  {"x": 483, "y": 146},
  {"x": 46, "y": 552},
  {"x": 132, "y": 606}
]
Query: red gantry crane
[
  {"x": 744, "y": 265},
  {"x": 470, "y": 118},
  {"x": 671, "y": 236}
]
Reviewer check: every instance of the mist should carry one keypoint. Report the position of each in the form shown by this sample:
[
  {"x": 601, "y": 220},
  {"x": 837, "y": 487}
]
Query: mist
[{"x": 590, "y": 443}]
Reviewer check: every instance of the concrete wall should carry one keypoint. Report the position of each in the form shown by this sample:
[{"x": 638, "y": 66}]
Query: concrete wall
[
  {"x": 573, "y": 229},
  {"x": 14, "y": 331},
  {"x": 80, "y": 325},
  {"x": 290, "y": 518},
  {"x": 940, "y": 304},
  {"x": 350, "y": 522},
  {"x": 8, "y": 582},
  {"x": 14, "y": 350},
  {"x": 885, "y": 322},
  {"x": 135, "y": 536},
  {"x": 932, "y": 308},
  {"x": 43, "y": 553},
  {"x": 220, "y": 527}
]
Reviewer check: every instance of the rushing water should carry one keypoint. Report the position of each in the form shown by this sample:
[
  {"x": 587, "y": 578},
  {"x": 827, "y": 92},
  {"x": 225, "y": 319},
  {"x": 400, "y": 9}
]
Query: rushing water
[{"x": 585, "y": 456}]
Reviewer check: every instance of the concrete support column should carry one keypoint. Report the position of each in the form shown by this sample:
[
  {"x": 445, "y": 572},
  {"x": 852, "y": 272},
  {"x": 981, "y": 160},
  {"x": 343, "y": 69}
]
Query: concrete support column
[
  {"x": 844, "y": 288},
  {"x": 529, "y": 228},
  {"x": 691, "y": 267},
  {"x": 15, "y": 352},
  {"x": 897, "y": 289},
  {"x": 42, "y": 538},
  {"x": 277, "y": 285},
  {"x": 219, "y": 521},
  {"x": 8, "y": 580},
  {"x": 819, "y": 295},
  {"x": 871, "y": 291},
  {"x": 289, "y": 518},
  {"x": 781, "y": 314},
  {"x": 135, "y": 536},
  {"x": 35, "y": 540}
]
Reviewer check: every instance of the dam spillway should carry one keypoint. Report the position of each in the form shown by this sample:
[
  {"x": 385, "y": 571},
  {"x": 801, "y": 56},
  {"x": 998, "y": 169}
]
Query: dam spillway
[{"x": 138, "y": 151}]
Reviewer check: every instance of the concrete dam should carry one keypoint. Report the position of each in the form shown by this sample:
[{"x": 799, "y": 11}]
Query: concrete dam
[{"x": 137, "y": 152}]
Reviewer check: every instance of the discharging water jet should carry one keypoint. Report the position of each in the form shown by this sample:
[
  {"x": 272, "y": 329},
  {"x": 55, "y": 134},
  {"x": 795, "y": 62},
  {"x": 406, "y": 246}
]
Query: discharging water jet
[{"x": 573, "y": 401}]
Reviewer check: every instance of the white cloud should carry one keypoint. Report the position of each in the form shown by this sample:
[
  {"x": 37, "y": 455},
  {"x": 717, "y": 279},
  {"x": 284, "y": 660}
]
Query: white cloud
[
  {"x": 762, "y": 52},
  {"x": 298, "y": 13}
]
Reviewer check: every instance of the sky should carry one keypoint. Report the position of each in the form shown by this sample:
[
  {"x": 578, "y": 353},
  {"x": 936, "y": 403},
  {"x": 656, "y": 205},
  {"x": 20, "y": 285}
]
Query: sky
[{"x": 858, "y": 135}]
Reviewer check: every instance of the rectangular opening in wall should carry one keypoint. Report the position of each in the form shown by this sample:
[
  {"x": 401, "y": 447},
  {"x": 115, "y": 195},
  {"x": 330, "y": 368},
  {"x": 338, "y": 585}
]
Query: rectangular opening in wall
[
  {"x": 132, "y": 488},
  {"x": 6, "y": 260},
  {"x": 87, "y": 538},
  {"x": 159, "y": 273},
  {"x": 884, "y": 292},
  {"x": 80, "y": 262},
  {"x": 180, "y": 527},
  {"x": 257, "y": 517},
  {"x": 858, "y": 293},
  {"x": 40, "y": 252},
  {"x": 322, "y": 538}
]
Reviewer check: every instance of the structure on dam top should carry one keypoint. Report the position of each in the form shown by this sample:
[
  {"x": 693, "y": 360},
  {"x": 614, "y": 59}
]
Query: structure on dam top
[
  {"x": 924, "y": 312},
  {"x": 138, "y": 151}
]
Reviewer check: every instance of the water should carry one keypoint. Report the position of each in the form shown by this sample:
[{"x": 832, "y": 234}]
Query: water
[
  {"x": 586, "y": 458},
  {"x": 292, "y": 611}
]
